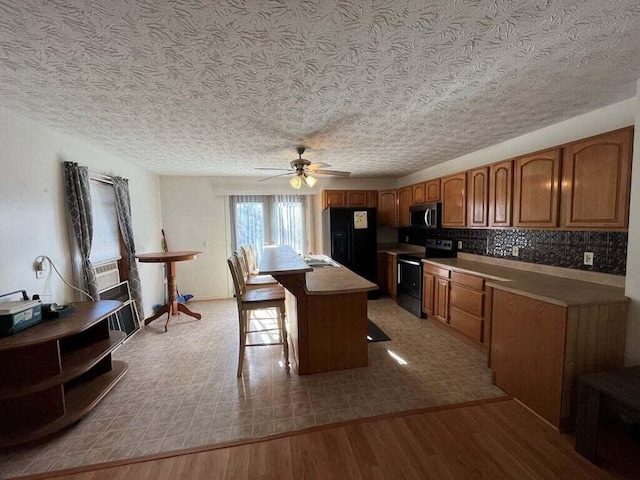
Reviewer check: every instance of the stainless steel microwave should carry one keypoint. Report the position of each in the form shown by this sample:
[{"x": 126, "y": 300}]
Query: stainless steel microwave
[{"x": 425, "y": 215}]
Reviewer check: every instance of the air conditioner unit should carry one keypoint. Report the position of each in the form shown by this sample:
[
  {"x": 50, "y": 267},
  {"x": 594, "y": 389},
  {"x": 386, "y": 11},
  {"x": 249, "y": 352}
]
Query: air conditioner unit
[{"x": 107, "y": 275}]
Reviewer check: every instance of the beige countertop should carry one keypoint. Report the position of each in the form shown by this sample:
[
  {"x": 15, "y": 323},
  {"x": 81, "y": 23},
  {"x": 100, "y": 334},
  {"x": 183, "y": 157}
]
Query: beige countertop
[
  {"x": 558, "y": 290},
  {"x": 396, "y": 248},
  {"x": 283, "y": 260}
]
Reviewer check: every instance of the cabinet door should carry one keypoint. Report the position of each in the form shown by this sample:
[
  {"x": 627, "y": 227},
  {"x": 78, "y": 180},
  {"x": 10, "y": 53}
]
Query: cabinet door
[
  {"x": 441, "y": 299},
  {"x": 333, "y": 198},
  {"x": 527, "y": 351},
  {"x": 404, "y": 202},
  {"x": 392, "y": 279},
  {"x": 500, "y": 194},
  {"x": 454, "y": 205},
  {"x": 596, "y": 181},
  {"x": 433, "y": 190},
  {"x": 419, "y": 194},
  {"x": 388, "y": 210},
  {"x": 478, "y": 197},
  {"x": 536, "y": 190},
  {"x": 428, "y": 282},
  {"x": 382, "y": 272},
  {"x": 372, "y": 198},
  {"x": 357, "y": 198}
]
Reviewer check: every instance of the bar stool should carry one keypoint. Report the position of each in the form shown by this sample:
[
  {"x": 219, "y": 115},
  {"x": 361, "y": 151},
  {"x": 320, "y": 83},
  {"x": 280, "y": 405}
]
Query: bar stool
[
  {"x": 257, "y": 299},
  {"x": 248, "y": 268}
]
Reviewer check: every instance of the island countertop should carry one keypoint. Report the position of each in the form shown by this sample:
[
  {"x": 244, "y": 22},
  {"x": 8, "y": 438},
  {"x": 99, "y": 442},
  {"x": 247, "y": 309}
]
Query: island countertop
[{"x": 282, "y": 260}]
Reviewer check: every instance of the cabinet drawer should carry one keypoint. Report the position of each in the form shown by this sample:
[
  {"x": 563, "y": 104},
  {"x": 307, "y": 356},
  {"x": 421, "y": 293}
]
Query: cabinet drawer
[
  {"x": 467, "y": 280},
  {"x": 465, "y": 323},
  {"x": 433, "y": 270},
  {"x": 470, "y": 301}
]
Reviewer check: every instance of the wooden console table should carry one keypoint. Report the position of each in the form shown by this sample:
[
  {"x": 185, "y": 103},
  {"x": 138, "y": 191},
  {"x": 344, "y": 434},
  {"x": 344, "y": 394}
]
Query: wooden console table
[
  {"x": 170, "y": 259},
  {"x": 54, "y": 373},
  {"x": 622, "y": 386}
]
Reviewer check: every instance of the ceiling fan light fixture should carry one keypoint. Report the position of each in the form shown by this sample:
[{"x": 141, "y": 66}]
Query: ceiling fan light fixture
[
  {"x": 310, "y": 181},
  {"x": 296, "y": 182}
]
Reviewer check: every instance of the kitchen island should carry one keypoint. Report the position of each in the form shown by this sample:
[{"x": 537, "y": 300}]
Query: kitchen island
[{"x": 326, "y": 312}]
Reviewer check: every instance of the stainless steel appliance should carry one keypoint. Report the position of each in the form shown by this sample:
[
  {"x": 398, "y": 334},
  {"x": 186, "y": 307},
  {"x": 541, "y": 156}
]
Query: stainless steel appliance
[
  {"x": 409, "y": 293},
  {"x": 425, "y": 215}
]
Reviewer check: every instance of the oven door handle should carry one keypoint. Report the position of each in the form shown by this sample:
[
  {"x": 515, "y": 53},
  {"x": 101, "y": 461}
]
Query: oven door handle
[{"x": 410, "y": 262}]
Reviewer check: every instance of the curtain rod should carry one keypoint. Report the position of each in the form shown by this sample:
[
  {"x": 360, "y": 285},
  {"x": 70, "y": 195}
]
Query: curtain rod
[{"x": 100, "y": 177}]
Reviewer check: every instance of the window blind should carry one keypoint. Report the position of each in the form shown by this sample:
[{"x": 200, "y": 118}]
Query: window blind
[{"x": 105, "y": 246}]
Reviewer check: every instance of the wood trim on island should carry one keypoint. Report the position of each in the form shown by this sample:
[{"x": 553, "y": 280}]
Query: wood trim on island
[{"x": 326, "y": 312}]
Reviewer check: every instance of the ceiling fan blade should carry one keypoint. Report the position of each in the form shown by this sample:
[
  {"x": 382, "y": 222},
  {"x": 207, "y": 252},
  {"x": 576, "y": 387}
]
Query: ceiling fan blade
[
  {"x": 335, "y": 173},
  {"x": 274, "y": 169},
  {"x": 317, "y": 165},
  {"x": 275, "y": 176}
]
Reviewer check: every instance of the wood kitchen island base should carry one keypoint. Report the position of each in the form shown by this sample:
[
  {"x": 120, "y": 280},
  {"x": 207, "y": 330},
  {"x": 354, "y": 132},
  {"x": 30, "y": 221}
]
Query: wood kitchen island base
[{"x": 326, "y": 312}]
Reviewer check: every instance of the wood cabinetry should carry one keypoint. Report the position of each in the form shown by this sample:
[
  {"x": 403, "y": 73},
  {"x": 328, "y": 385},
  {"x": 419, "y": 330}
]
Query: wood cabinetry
[
  {"x": 536, "y": 190},
  {"x": 388, "y": 208},
  {"x": 428, "y": 292},
  {"x": 500, "y": 194},
  {"x": 432, "y": 188},
  {"x": 357, "y": 198},
  {"x": 405, "y": 195},
  {"x": 419, "y": 194},
  {"x": 56, "y": 372},
  {"x": 478, "y": 197},
  {"x": 596, "y": 178},
  {"x": 454, "y": 205},
  {"x": 392, "y": 275},
  {"x": 441, "y": 299},
  {"x": 349, "y": 198},
  {"x": 382, "y": 273},
  {"x": 466, "y": 304},
  {"x": 538, "y": 348}
]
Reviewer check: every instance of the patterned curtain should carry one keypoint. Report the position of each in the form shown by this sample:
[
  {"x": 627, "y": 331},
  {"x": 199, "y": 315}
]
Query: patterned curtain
[
  {"x": 123, "y": 205},
  {"x": 81, "y": 220}
]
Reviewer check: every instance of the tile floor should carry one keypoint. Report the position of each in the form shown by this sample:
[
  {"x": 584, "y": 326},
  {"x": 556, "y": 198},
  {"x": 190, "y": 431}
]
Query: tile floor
[{"x": 181, "y": 389}]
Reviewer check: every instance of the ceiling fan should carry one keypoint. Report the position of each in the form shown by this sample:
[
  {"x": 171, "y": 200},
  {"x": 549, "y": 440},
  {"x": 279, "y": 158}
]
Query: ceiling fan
[{"x": 303, "y": 171}]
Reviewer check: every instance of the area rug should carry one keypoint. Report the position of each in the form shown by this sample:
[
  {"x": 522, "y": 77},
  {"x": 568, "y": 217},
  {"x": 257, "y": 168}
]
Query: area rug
[{"x": 374, "y": 333}]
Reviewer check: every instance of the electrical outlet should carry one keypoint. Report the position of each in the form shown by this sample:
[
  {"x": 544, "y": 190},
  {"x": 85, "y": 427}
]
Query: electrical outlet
[
  {"x": 39, "y": 274},
  {"x": 459, "y": 244},
  {"x": 515, "y": 251},
  {"x": 588, "y": 258},
  {"x": 40, "y": 266}
]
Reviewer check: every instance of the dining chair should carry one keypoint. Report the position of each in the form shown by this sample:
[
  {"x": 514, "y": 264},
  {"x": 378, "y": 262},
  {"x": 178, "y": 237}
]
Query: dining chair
[
  {"x": 257, "y": 299},
  {"x": 248, "y": 272}
]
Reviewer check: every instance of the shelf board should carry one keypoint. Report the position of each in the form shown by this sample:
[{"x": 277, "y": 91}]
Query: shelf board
[
  {"x": 79, "y": 401},
  {"x": 74, "y": 364}
]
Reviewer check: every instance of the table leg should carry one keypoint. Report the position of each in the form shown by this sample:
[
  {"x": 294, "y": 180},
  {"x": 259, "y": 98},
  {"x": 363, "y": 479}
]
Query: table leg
[
  {"x": 184, "y": 309},
  {"x": 161, "y": 311},
  {"x": 587, "y": 419}
]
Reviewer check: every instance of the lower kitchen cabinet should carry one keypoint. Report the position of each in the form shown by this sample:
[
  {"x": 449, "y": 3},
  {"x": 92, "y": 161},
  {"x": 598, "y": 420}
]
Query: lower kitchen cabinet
[
  {"x": 466, "y": 305},
  {"x": 441, "y": 300},
  {"x": 538, "y": 349},
  {"x": 428, "y": 284},
  {"x": 387, "y": 273},
  {"x": 382, "y": 272}
]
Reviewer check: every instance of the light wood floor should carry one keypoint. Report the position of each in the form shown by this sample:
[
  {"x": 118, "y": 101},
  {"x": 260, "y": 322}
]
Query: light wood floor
[{"x": 487, "y": 441}]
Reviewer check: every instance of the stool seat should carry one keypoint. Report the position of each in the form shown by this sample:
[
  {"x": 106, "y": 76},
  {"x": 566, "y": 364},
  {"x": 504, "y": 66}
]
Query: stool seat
[
  {"x": 274, "y": 294},
  {"x": 262, "y": 280}
]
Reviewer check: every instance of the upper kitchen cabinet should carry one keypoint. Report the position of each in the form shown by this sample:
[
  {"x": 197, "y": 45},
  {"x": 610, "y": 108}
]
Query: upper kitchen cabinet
[
  {"x": 372, "y": 198},
  {"x": 419, "y": 194},
  {"x": 596, "y": 181},
  {"x": 454, "y": 205},
  {"x": 500, "y": 194},
  {"x": 334, "y": 198},
  {"x": 432, "y": 188},
  {"x": 536, "y": 192},
  {"x": 388, "y": 208},
  {"x": 357, "y": 198},
  {"x": 405, "y": 196},
  {"x": 478, "y": 197}
]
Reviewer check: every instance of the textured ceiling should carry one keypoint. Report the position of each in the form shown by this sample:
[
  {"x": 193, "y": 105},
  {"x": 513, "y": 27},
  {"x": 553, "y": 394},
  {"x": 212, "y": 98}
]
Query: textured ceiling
[{"x": 378, "y": 88}]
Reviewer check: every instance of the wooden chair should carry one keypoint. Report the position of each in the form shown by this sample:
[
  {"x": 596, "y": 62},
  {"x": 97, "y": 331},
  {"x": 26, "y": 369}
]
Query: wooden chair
[
  {"x": 258, "y": 299},
  {"x": 247, "y": 265}
]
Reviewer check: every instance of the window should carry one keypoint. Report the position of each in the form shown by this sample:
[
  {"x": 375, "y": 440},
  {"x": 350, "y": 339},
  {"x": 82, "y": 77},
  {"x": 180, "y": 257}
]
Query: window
[
  {"x": 105, "y": 246},
  {"x": 261, "y": 220}
]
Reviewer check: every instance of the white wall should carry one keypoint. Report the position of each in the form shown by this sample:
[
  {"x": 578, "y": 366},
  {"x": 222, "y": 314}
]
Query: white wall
[
  {"x": 609, "y": 118},
  {"x": 632, "y": 287},
  {"x": 195, "y": 216},
  {"x": 603, "y": 120},
  {"x": 33, "y": 212}
]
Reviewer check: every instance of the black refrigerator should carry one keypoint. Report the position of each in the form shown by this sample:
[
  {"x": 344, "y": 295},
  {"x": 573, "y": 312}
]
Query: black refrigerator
[{"x": 350, "y": 238}]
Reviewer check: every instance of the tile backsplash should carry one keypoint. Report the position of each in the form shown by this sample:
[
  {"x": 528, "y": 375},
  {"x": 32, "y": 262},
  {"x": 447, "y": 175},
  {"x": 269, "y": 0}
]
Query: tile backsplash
[{"x": 547, "y": 247}]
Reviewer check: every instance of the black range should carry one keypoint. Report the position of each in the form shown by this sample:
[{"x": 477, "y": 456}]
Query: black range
[{"x": 409, "y": 293}]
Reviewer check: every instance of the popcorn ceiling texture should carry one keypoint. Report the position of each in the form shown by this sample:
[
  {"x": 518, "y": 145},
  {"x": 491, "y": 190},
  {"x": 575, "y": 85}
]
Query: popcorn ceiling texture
[{"x": 379, "y": 88}]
